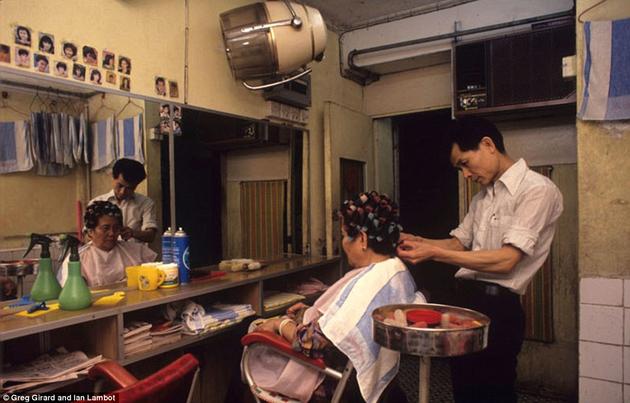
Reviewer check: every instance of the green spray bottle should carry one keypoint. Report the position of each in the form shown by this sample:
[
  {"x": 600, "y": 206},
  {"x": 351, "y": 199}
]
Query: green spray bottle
[
  {"x": 46, "y": 286},
  {"x": 75, "y": 294}
]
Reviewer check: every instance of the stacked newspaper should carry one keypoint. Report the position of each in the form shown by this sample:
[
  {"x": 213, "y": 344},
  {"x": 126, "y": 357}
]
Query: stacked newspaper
[
  {"x": 198, "y": 320},
  {"x": 165, "y": 333},
  {"x": 137, "y": 337},
  {"x": 274, "y": 299},
  {"x": 48, "y": 368}
]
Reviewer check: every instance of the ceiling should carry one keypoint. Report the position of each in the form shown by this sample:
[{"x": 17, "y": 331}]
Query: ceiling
[{"x": 346, "y": 15}]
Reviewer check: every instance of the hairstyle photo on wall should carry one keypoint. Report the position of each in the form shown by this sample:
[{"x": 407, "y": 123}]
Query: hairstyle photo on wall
[
  {"x": 78, "y": 72},
  {"x": 160, "y": 86},
  {"x": 95, "y": 77},
  {"x": 22, "y": 57},
  {"x": 124, "y": 65},
  {"x": 69, "y": 51},
  {"x": 46, "y": 43},
  {"x": 110, "y": 77},
  {"x": 41, "y": 63},
  {"x": 90, "y": 56},
  {"x": 5, "y": 53},
  {"x": 109, "y": 60},
  {"x": 61, "y": 69},
  {"x": 173, "y": 89},
  {"x": 23, "y": 35},
  {"x": 125, "y": 83}
]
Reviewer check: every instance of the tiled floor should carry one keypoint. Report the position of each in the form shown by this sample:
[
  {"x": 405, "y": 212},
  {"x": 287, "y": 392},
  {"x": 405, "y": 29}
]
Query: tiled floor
[{"x": 441, "y": 390}]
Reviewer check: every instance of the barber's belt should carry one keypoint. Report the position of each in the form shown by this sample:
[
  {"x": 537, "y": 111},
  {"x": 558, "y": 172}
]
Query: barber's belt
[{"x": 483, "y": 287}]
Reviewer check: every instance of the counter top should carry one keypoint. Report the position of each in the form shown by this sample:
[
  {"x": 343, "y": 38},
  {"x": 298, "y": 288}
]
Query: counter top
[{"x": 13, "y": 326}]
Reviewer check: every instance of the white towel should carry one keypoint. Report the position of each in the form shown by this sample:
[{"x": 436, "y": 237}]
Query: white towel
[
  {"x": 347, "y": 323},
  {"x": 103, "y": 141},
  {"x": 15, "y": 146},
  {"x": 130, "y": 138},
  {"x": 606, "y": 71},
  {"x": 68, "y": 159}
]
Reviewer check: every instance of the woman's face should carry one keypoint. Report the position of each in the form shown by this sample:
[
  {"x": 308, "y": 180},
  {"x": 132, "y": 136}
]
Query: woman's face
[
  {"x": 23, "y": 34},
  {"x": 353, "y": 247},
  {"x": 42, "y": 65},
  {"x": 68, "y": 52},
  {"x": 46, "y": 46},
  {"x": 124, "y": 65},
  {"x": 106, "y": 233}
]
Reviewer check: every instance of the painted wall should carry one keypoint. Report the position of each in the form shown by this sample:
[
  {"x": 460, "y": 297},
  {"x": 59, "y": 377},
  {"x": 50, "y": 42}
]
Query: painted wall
[{"x": 604, "y": 257}]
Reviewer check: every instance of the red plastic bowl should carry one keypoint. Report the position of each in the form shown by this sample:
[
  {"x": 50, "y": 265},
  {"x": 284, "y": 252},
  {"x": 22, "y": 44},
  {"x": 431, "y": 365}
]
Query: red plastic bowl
[{"x": 429, "y": 316}]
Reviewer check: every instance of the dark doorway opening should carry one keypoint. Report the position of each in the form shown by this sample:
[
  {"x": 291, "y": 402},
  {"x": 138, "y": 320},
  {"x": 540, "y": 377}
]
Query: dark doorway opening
[
  {"x": 428, "y": 193},
  {"x": 197, "y": 192}
]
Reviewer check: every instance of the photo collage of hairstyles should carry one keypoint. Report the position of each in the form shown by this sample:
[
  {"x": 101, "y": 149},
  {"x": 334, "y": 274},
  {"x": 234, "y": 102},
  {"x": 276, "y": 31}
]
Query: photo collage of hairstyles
[
  {"x": 67, "y": 59},
  {"x": 165, "y": 119},
  {"x": 160, "y": 87}
]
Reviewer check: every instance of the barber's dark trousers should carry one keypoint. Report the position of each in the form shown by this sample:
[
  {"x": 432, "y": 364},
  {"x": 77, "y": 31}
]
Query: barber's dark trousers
[{"x": 489, "y": 376}]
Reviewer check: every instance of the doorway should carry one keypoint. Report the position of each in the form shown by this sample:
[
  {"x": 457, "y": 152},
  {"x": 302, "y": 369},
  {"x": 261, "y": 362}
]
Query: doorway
[{"x": 428, "y": 192}]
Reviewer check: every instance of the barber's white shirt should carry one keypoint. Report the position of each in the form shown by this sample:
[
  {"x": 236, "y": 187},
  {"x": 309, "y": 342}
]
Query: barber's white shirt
[
  {"x": 138, "y": 211},
  {"x": 519, "y": 209},
  {"x": 100, "y": 267}
]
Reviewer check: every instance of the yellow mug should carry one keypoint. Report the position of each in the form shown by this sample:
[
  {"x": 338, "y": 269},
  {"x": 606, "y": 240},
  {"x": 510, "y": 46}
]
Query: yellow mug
[
  {"x": 150, "y": 278},
  {"x": 132, "y": 276}
]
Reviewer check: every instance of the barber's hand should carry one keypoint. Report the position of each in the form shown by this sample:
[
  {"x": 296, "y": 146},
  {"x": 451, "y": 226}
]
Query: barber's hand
[
  {"x": 409, "y": 237},
  {"x": 126, "y": 233},
  {"x": 415, "y": 251}
]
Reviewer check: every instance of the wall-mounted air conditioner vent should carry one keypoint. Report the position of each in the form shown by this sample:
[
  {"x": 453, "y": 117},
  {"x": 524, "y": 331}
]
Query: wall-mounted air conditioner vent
[{"x": 514, "y": 72}]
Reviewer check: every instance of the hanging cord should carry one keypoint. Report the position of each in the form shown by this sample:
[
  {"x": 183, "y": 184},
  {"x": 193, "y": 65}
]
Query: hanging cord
[{"x": 579, "y": 18}]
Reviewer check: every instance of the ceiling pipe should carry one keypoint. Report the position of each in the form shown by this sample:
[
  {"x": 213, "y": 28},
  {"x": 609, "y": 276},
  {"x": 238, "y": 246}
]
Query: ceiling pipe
[{"x": 368, "y": 77}]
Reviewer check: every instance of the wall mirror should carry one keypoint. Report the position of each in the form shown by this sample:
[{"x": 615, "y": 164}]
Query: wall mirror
[{"x": 238, "y": 181}]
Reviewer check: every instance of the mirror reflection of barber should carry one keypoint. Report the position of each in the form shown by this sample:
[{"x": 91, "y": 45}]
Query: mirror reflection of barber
[{"x": 139, "y": 217}]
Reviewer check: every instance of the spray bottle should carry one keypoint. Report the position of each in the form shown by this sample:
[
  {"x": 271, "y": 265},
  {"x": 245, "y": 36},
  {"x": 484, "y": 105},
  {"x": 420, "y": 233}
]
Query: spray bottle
[
  {"x": 75, "y": 294},
  {"x": 46, "y": 286}
]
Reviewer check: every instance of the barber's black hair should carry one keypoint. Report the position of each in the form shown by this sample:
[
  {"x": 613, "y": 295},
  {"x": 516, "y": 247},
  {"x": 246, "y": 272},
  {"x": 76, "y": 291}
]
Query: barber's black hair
[
  {"x": 376, "y": 215},
  {"x": 98, "y": 209},
  {"x": 468, "y": 131},
  {"x": 131, "y": 170}
]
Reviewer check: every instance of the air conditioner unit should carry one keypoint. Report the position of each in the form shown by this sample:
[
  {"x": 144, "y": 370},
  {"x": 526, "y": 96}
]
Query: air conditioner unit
[{"x": 520, "y": 71}]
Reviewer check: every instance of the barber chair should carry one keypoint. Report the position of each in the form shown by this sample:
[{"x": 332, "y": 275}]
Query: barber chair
[
  {"x": 172, "y": 384},
  {"x": 282, "y": 346}
]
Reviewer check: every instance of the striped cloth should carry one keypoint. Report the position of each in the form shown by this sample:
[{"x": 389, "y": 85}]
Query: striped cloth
[
  {"x": 130, "y": 139},
  {"x": 347, "y": 323},
  {"x": 606, "y": 71},
  {"x": 15, "y": 147},
  {"x": 103, "y": 141}
]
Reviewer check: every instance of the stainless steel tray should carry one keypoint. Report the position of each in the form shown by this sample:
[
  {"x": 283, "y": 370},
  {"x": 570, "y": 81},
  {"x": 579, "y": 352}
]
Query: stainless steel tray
[{"x": 431, "y": 342}]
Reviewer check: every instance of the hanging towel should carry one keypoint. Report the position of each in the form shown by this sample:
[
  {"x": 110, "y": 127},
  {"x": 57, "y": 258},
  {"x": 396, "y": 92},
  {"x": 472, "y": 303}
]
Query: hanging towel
[
  {"x": 102, "y": 135},
  {"x": 606, "y": 71},
  {"x": 15, "y": 147},
  {"x": 83, "y": 138},
  {"x": 68, "y": 159},
  {"x": 130, "y": 139},
  {"x": 57, "y": 138}
]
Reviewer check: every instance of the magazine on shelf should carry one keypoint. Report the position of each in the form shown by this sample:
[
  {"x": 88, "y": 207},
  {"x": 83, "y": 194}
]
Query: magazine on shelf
[{"x": 133, "y": 328}]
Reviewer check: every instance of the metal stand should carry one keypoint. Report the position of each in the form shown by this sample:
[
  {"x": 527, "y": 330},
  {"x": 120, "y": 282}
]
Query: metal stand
[{"x": 424, "y": 379}]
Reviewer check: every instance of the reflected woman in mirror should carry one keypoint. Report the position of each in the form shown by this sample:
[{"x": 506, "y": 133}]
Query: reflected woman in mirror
[{"x": 104, "y": 258}]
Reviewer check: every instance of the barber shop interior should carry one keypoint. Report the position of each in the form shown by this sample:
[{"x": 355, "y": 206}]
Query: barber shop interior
[{"x": 243, "y": 201}]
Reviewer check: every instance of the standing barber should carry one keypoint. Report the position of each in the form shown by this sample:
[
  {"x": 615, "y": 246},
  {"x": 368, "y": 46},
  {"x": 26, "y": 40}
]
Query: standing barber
[
  {"x": 500, "y": 245},
  {"x": 139, "y": 219}
]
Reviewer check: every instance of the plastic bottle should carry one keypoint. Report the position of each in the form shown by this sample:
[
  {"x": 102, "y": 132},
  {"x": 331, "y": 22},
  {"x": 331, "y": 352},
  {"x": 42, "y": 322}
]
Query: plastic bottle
[
  {"x": 75, "y": 294},
  {"x": 181, "y": 255},
  {"x": 46, "y": 286}
]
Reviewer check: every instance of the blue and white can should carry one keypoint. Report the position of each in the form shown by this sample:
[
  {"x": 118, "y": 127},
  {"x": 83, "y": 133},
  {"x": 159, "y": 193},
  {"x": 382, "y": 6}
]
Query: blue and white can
[
  {"x": 181, "y": 255},
  {"x": 167, "y": 246}
]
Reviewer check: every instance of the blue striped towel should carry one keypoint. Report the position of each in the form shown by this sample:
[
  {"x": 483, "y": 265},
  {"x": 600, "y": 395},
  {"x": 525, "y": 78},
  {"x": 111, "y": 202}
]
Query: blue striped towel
[
  {"x": 103, "y": 141},
  {"x": 348, "y": 322},
  {"x": 15, "y": 147},
  {"x": 606, "y": 70},
  {"x": 130, "y": 140}
]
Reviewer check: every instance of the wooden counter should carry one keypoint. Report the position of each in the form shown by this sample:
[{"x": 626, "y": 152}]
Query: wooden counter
[{"x": 98, "y": 330}]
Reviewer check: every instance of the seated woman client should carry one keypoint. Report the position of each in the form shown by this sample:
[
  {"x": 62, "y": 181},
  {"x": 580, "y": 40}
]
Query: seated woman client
[
  {"x": 104, "y": 258},
  {"x": 341, "y": 317}
]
